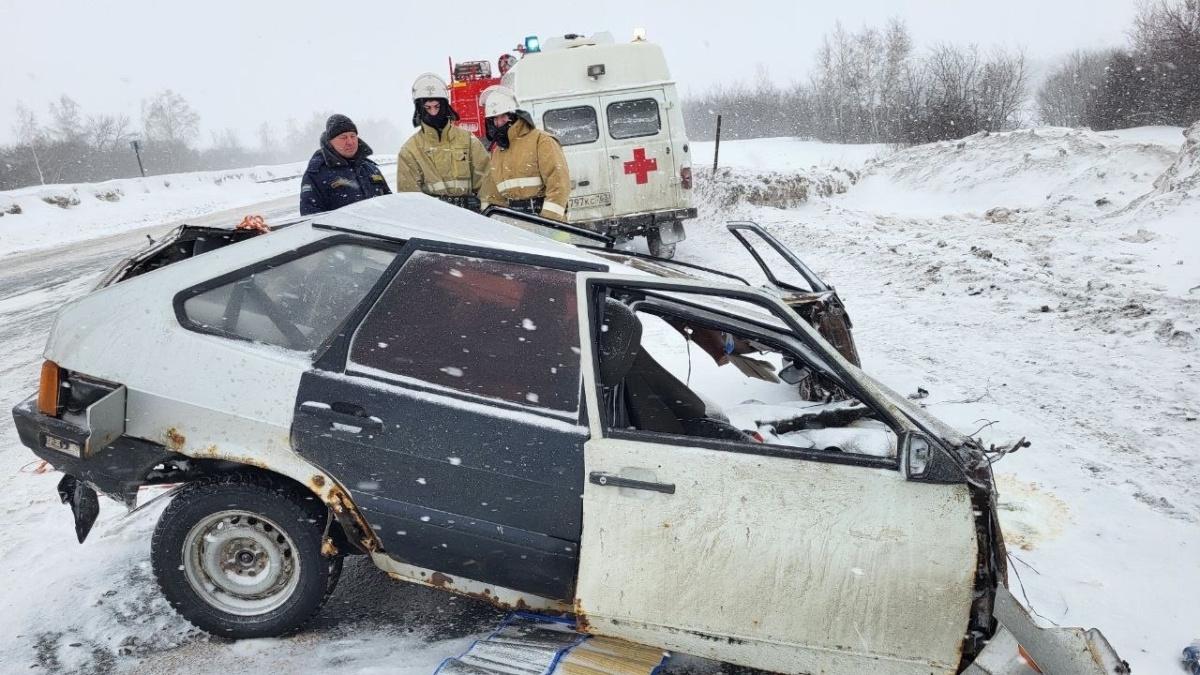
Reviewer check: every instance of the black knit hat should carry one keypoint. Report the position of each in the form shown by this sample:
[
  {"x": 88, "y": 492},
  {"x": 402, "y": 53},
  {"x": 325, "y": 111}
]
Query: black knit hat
[{"x": 337, "y": 125}]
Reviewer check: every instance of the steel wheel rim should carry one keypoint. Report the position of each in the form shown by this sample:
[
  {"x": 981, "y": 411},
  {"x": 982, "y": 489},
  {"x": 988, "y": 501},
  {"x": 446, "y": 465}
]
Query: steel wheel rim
[{"x": 241, "y": 563}]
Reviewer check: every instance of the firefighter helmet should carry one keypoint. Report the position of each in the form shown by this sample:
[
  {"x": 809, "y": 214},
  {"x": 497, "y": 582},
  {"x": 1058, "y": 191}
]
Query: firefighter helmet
[
  {"x": 429, "y": 85},
  {"x": 497, "y": 100}
]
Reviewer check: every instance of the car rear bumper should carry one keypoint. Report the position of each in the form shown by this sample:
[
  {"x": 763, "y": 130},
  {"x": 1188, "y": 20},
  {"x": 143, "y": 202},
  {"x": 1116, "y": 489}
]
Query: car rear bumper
[
  {"x": 117, "y": 468},
  {"x": 637, "y": 224}
]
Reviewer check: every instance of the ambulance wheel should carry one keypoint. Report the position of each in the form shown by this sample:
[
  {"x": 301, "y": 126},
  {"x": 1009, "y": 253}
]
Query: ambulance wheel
[{"x": 657, "y": 248}]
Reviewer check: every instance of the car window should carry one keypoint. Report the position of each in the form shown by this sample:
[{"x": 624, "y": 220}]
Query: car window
[
  {"x": 630, "y": 119},
  {"x": 297, "y": 303},
  {"x": 572, "y": 126},
  {"x": 675, "y": 375},
  {"x": 504, "y": 330}
]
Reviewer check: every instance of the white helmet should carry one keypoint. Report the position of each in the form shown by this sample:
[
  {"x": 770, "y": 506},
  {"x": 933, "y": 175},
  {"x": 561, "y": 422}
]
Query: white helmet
[
  {"x": 497, "y": 100},
  {"x": 429, "y": 85}
]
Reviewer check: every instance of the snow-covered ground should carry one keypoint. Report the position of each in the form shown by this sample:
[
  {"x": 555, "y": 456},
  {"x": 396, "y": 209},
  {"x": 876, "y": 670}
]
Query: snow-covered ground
[
  {"x": 1036, "y": 283},
  {"x": 53, "y": 215},
  {"x": 1073, "y": 323}
]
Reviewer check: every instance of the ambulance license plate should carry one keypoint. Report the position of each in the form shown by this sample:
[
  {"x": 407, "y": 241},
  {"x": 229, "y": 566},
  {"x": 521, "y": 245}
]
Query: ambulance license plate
[{"x": 590, "y": 201}]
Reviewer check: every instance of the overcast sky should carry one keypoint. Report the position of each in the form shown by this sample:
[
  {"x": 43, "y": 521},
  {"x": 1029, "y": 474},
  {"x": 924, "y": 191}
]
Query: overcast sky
[{"x": 241, "y": 63}]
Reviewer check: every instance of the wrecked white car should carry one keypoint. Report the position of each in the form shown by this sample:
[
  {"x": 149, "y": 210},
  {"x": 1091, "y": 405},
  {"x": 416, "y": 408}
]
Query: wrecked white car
[{"x": 679, "y": 462}]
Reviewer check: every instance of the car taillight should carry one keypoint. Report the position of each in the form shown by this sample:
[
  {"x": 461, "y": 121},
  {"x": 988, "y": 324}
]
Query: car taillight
[
  {"x": 685, "y": 178},
  {"x": 49, "y": 389}
]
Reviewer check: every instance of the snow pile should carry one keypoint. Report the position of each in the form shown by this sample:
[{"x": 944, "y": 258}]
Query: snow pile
[
  {"x": 1071, "y": 172},
  {"x": 778, "y": 172},
  {"x": 733, "y": 186}
]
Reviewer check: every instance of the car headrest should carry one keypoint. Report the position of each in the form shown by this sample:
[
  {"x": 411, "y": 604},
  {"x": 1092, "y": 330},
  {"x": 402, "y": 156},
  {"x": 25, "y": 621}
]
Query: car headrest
[{"x": 620, "y": 342}]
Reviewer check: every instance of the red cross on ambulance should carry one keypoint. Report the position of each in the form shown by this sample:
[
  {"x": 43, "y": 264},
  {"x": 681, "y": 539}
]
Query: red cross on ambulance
[{"x": 640, "y": 166}]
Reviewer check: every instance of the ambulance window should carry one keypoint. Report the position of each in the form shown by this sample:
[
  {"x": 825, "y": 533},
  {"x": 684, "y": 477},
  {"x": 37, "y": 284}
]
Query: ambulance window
[
  {"x": 572, "y": 126},
  {"x": 630, "y": 119}
]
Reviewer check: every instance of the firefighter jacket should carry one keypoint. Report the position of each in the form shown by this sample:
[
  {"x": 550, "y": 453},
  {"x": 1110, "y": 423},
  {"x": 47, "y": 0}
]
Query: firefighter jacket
[
  {"x": 450, "y": 164},
  {"x": 332, "y": 181},
  {"x": 532, "y": 166}
]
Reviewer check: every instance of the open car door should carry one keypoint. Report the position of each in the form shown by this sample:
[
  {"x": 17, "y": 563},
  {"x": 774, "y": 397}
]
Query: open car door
[
  {"x": 800, "y": 287},
  {"x": 808, "y": 553}
]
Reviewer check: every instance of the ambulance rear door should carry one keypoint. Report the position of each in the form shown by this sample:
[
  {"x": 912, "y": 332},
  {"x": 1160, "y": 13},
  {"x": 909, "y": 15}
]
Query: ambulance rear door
[
  {"x": 576, "y": 124},
  {"x": 638, "y": 134}
]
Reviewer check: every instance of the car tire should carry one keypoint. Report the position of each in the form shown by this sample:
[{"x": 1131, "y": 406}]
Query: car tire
[
  {"x": 656, "y": 246},
  {"x": 240, "y": 556}
]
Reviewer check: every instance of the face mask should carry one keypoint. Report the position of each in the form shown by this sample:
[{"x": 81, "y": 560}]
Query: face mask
[
  {"x": 498, "y": 134},
  {"x": 438, "y": 121}
]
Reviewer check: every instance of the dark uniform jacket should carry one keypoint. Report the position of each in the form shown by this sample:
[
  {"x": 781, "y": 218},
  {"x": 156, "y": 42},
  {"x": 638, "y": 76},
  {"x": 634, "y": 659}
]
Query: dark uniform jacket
[{"x": 332, "y": 181}]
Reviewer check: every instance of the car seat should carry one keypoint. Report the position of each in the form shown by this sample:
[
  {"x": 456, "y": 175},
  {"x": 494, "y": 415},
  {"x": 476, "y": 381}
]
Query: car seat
[{"x": 640, "y": 393}]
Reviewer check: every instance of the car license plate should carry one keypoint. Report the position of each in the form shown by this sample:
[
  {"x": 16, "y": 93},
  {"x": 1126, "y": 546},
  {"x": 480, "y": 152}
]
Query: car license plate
[
  {"x": 590, "y": 201},
  {"x": 61, "y": 445}
]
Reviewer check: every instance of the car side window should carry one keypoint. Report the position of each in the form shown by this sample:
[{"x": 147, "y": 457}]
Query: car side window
[
  {"x": 572, "y": 126},
  {"x": 503, "y": 330},
  {"x": 296, "y": 303},
  {"x": 630, "y": 119},
  {"x": 682, "y": 375}
]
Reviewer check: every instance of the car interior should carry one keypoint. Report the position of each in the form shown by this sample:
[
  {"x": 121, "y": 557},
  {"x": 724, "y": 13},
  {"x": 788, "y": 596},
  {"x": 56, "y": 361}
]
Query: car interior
[{"x": 667, "y": 372}]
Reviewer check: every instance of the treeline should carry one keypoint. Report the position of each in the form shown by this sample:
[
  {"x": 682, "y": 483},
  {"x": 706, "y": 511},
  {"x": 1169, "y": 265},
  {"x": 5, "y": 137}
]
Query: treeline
[
  {"x": 70, "y": 146},
  {"x": 873, "y": 85},
  {"x": 1153, "y": 80}
]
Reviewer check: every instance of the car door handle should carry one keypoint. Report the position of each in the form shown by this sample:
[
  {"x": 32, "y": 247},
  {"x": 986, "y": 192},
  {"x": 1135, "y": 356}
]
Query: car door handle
[
  {"x": 615, "y": 156},
  {"x": 357, "y": 418},
  {"x": 609, "y": 480}
]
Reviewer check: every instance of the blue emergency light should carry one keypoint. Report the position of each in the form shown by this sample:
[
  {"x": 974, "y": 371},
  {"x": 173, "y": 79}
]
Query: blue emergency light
[{"x": 532, "y": 44}]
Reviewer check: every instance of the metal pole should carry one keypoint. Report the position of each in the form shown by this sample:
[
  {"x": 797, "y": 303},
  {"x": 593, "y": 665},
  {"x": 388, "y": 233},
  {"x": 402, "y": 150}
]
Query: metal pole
[
  {"x": 717, "y": 147},
  {"x": 137, "y": 148}
]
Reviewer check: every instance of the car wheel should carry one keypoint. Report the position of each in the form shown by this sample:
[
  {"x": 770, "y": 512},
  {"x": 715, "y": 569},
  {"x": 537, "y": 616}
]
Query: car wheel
[
  {"x": 657, "y": 248},
  {"x": 240, "y": 556}
]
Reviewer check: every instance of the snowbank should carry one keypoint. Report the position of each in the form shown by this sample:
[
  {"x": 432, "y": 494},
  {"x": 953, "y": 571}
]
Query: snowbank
[
  {"x": 1076, "y": 173},
  {"x": 51, "y": 215}
]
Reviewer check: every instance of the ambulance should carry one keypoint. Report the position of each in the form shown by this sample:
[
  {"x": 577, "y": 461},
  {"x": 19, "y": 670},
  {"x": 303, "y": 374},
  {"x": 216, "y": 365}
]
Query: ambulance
[{"x": 616, "y": 112}]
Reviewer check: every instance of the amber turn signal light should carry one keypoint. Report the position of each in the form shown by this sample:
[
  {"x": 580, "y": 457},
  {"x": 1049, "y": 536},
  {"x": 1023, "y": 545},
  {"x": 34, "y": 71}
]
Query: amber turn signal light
[{"x": 49, "y": 388}]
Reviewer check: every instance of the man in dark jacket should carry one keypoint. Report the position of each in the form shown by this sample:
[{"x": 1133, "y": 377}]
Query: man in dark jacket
[{"x": 340, "y": 173}]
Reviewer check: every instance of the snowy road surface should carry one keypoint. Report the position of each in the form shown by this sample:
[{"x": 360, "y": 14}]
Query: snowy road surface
[{"x": 1058, "y": 319}]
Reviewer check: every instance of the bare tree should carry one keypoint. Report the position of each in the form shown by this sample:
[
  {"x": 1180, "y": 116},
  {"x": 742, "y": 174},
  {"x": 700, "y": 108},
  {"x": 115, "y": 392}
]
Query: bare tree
[
  {"x": 30, "y": 134},
  {"x": 1002, "y": 83},
  {"x": 67, "y": 121},
  {"x": 1064, "y": 97},
  {"x": 168, "y": 118},
  {"x": 107, "y": 132}
]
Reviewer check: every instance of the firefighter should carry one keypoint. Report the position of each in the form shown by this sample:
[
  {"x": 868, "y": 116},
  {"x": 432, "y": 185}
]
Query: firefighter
[
  {"x": 440, "y": 159},
  {"x": 528, "y": 170},
  {"x": 340, "y": 172}
]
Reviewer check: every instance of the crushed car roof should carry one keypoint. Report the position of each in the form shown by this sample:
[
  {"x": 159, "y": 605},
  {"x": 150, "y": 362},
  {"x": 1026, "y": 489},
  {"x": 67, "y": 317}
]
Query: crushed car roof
[{"x": 409, "y": 215}]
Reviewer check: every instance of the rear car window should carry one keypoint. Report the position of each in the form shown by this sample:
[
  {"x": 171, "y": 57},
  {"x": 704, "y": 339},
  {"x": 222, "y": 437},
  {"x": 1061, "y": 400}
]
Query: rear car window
[
  {"x": 295, "y": 304},
  {"x": 498, "y": 329},
  {"x": 572, "y": 126},
  {"x": 630, "y": 119}
]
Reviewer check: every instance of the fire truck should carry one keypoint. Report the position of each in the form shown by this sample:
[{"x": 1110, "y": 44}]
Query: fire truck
[{"x": 616, "y": 112}]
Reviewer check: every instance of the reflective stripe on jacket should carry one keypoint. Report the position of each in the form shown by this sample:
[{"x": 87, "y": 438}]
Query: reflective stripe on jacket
[
  {"x": 533, "y": 165},
  {"x": 453, "y": 165}
]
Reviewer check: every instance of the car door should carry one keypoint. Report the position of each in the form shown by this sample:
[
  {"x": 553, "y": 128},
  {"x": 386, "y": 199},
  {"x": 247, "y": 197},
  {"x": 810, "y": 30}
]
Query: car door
[
  {"x": 770, "y": 556},
  {"x": 800, "y": 287},
  {"x": 576, "y": 125},
  {"x": 638, "y": 138},
  {"x": 449, "y": 409}
]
